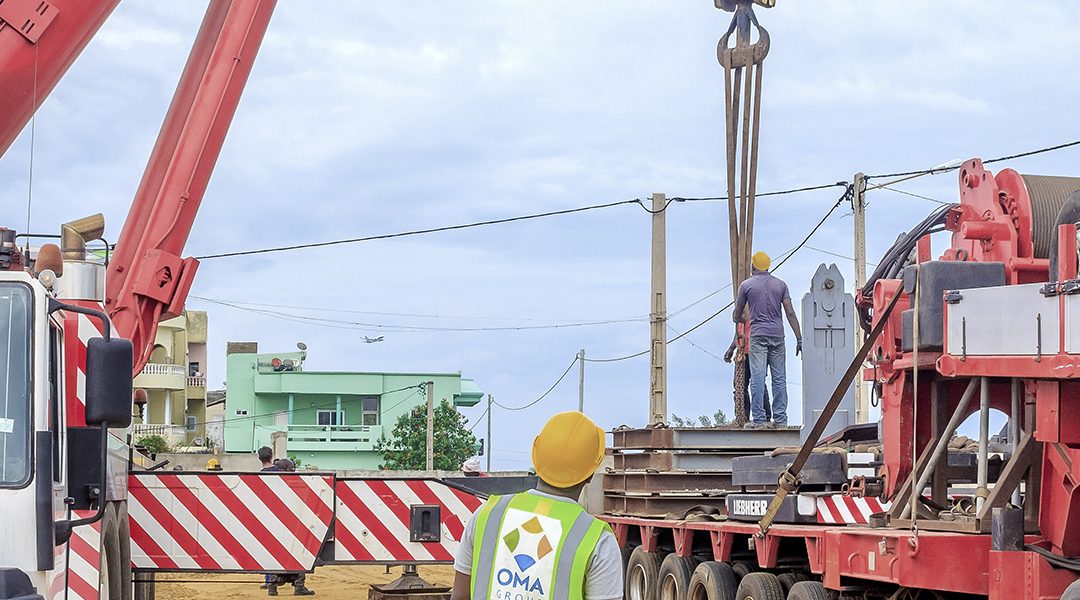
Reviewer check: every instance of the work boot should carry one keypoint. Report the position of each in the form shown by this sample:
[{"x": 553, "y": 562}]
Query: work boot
[
  {"x": 302, "y": 590},
  {"x": 753, "y": 425},
  {"x": 271, "y": 589}
]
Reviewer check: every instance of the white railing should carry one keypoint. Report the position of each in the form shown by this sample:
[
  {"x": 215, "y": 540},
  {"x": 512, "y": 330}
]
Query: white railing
[
  {"x": 194, "y": 381},
  {"x": 165, "y": 431},
  {"x": 160, "y": 369}
]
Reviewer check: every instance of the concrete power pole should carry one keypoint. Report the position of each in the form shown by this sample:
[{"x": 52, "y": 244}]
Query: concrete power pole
[
  {"x": 430, "y": 464},
  {"x": 581, "y": 381},
  {"x": 658, "y": 315},
  {"x": 858, "y": 211},
  {"x": 489, "y": 434}
]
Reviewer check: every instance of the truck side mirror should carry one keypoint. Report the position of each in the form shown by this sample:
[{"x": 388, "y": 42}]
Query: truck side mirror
[{"x": 108, "y": 382}]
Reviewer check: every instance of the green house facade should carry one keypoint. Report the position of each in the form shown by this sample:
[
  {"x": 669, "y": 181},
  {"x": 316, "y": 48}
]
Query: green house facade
[{"x": 332, "y": 419}]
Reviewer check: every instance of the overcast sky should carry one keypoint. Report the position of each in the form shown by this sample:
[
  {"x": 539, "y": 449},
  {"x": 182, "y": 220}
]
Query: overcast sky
[{"x": 377, "y": 117}]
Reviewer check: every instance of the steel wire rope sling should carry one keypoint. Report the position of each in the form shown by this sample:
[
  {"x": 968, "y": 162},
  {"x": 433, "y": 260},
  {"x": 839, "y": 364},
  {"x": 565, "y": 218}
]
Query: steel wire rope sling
[
  {"x": 789, "y": 479},
  {"x": 742, "y": 65}
]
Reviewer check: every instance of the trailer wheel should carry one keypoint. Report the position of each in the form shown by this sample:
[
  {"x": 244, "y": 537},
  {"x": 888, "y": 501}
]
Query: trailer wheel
[
  {"x": 789, "y": 579},
  {"x": 123, "y": 530},
  {"x": 110, "y": 585},
  {"x": 713, "y": 580},
  {"x": 809, "y": 590},
  {"x": 743, "y": 568},
  {"x": 641, "y": 574},
  {"x": 674, "y": 577},
  {"x": 760, "y": 586},
  {"x": 1072, "y": 592}
]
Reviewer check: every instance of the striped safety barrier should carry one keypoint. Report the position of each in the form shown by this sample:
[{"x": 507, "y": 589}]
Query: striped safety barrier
[
  {"x": 841, "y": 509},
  {"x": 83, "y": 556},
  {"x": 374, "y": 520},
  {"x": 260, "y": 522}
]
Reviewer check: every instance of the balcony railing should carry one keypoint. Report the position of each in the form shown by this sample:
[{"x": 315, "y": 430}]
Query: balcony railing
[
  {"x": 193, "y": 381},
  {"x": 169, "y": 432},
  {"x": 160, "y": 369},
  {"x": 333, "y": 437}
]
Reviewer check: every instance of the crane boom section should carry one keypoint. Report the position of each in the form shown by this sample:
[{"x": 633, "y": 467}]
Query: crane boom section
[{"x": 147, "y": 280}]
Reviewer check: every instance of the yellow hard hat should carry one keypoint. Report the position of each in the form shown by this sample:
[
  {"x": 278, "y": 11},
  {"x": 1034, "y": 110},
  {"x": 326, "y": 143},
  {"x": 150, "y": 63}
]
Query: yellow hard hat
[
  {"x": 213, "y": 464},
  {"x": 761, "y": 261},
  {"x": 568, "y": 449}
]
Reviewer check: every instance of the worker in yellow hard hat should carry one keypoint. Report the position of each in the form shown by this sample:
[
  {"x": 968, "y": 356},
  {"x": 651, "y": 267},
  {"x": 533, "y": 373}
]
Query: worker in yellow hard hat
[
  {"x": 541, "y": 543},
  {"x": 765, "y": 297}
]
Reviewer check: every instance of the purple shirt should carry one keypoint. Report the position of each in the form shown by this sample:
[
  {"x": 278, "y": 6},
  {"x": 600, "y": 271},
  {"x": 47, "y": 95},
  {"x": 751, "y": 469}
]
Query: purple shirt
[{"x": 764, "y": 295}]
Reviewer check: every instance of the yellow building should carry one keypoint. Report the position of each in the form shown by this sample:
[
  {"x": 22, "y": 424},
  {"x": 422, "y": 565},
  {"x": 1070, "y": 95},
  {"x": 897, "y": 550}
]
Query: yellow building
[{"x": 175, "y": 382}]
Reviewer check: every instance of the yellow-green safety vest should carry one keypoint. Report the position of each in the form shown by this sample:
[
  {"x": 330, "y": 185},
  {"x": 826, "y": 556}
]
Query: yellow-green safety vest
[{"x": 532, "y": 547}]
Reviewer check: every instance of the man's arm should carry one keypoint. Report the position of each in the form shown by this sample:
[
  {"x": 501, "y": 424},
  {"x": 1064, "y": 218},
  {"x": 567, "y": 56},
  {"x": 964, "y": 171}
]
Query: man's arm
[
  {"x": 793, "y": 320},
  {"x": 731, "y": 349},
  {"x": 740, "y": 304},
  {"x": 462, "y": 583}
]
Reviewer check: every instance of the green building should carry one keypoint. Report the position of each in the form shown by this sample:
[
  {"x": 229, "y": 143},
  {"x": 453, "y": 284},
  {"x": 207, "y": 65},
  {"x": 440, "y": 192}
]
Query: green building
[{"x": 330, "y": 419}]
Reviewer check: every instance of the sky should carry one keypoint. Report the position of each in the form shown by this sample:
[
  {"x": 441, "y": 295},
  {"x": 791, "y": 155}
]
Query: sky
[{"x": 377, "y": 117}]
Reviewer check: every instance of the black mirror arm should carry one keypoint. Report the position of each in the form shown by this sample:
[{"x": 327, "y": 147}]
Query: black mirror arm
[
  {"x": 64, "y": 527},
  {"x": 55, "y": 305}
]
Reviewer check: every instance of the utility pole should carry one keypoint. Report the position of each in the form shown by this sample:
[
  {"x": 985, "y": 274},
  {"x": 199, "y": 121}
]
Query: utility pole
[
  {"x": 581, "y": 381},
  {"x": 658, "y": 314},
  {"x": 489, "y": 434},
  {"x": 430, "y": 426},
  {"x": 858, "y": 212}
]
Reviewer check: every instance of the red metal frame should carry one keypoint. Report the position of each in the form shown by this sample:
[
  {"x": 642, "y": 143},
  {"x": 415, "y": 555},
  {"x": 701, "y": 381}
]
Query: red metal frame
[{"x": 147, "y": 279}]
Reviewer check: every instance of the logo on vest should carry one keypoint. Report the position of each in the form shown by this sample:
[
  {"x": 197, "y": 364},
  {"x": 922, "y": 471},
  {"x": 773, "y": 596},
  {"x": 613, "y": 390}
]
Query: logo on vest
[{"x": 522, "y": 579}]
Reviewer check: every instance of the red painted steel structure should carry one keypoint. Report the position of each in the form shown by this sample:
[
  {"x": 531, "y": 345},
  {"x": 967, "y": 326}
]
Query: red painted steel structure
[
  {"x": 997, "y": 220},
  {"x": 147, "y": 279}
]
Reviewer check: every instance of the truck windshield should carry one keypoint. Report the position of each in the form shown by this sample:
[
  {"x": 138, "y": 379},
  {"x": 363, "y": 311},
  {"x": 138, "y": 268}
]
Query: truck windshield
[{"x": 15, "y": 311}]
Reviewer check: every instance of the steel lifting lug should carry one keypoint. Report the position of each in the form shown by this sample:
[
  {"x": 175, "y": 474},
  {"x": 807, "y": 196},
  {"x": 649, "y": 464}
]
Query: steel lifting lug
[
  {"x": 953, "y": 297},
  {"x": 1050, "y": 289},
  {"x": 1070, "y": 287}
]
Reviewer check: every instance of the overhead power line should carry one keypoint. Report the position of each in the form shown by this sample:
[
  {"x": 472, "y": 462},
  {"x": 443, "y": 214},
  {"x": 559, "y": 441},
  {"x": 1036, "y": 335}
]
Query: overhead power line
[
  {"x": 787, "y": 255},
  {"x": 396, "y": 328},
  {"x": 946, "y": 169},
  {"x": 542, "y": 396}
]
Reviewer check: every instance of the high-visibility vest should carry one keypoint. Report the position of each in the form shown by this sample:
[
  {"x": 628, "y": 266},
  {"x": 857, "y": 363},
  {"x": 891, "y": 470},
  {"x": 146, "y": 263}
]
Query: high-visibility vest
[{"x": 532, "y": 547}]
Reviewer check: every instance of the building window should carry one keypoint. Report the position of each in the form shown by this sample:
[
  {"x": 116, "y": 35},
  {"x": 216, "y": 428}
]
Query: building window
[
  {"x": 330, "y": 417},
  {"x": 370, "y": 410},
  {"x": 193, "y": 369},
  {"x": 189, "y": 422}
]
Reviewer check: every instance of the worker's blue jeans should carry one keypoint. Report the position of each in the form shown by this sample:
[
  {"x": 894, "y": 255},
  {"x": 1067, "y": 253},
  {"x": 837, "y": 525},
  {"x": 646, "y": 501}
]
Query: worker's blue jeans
[{"x": 767, "y": 351}]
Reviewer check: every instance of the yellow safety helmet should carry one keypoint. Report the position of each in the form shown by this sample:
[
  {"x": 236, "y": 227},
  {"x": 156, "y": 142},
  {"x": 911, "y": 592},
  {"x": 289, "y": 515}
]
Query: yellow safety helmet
[
  {"x": 568, "y": 449},
  {"x": 213, "y": 465},
  {"x": 761, "y": 261}
]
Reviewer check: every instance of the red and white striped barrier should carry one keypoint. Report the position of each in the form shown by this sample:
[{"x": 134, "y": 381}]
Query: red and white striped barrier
[
  {"x": 840, "y": 509},
  {"x": 373, "y": 520},
  {"x": 84, "y": 328},
  {"x": 83, "y": 555},
  {"x": 261, "y": 522}
]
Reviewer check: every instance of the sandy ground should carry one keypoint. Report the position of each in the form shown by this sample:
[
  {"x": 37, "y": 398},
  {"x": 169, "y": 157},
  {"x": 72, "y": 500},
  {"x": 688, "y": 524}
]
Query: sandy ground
[{"x": 329, "y": 583}]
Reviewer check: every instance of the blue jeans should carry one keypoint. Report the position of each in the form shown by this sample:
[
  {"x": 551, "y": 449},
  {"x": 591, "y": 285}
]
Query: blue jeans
[
  {"x": 768, "y": 352},
  {"x": 747, "y": 409}
]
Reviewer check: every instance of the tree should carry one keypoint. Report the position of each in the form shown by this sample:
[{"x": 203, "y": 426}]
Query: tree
[
  {"x": 718, "y": 419},
  {"x": 407, "y": 446}
]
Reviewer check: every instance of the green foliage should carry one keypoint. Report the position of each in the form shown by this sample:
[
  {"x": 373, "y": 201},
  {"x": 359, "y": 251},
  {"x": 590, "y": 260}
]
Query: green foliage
[
  {"x": 717, "y": 419},
  {"x": 407, "y": 446},
  {"x": 154, "y": 444},
  {"x": 296, "y": 460}
]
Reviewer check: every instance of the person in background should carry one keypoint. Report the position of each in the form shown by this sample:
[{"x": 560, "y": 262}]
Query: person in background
[
  {"x": 298, "y": 580},
  {"x": 543, "y": 537},
  {"x": 266, "y": 457},
  {"x": 764, "y": 296},
  {"x": 728, "y": 357},
  {"x": 471, "y": 468}
]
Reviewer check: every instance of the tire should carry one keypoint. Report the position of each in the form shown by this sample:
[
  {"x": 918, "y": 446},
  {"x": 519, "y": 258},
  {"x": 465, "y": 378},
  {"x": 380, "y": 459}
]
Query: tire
[
  {"x": 789, "y": 579},
  {"x": 674, "y": 577},
  {"x": 1073, "y": 591},
  {"x": 123, "y": 529},
  {"x": 713, "y": 581},
  {"x": 760, "y": 586},
  {"x": 809, "y": 590},
  {"x": 743, "y": 568},
  {"x": 641, "y": 574},
  {"x": 110, "y": 585}
]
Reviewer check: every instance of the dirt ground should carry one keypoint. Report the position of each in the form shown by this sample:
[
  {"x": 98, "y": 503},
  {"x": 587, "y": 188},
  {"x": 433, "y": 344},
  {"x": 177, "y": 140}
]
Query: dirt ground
[{"x": 329, "y": 583}]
